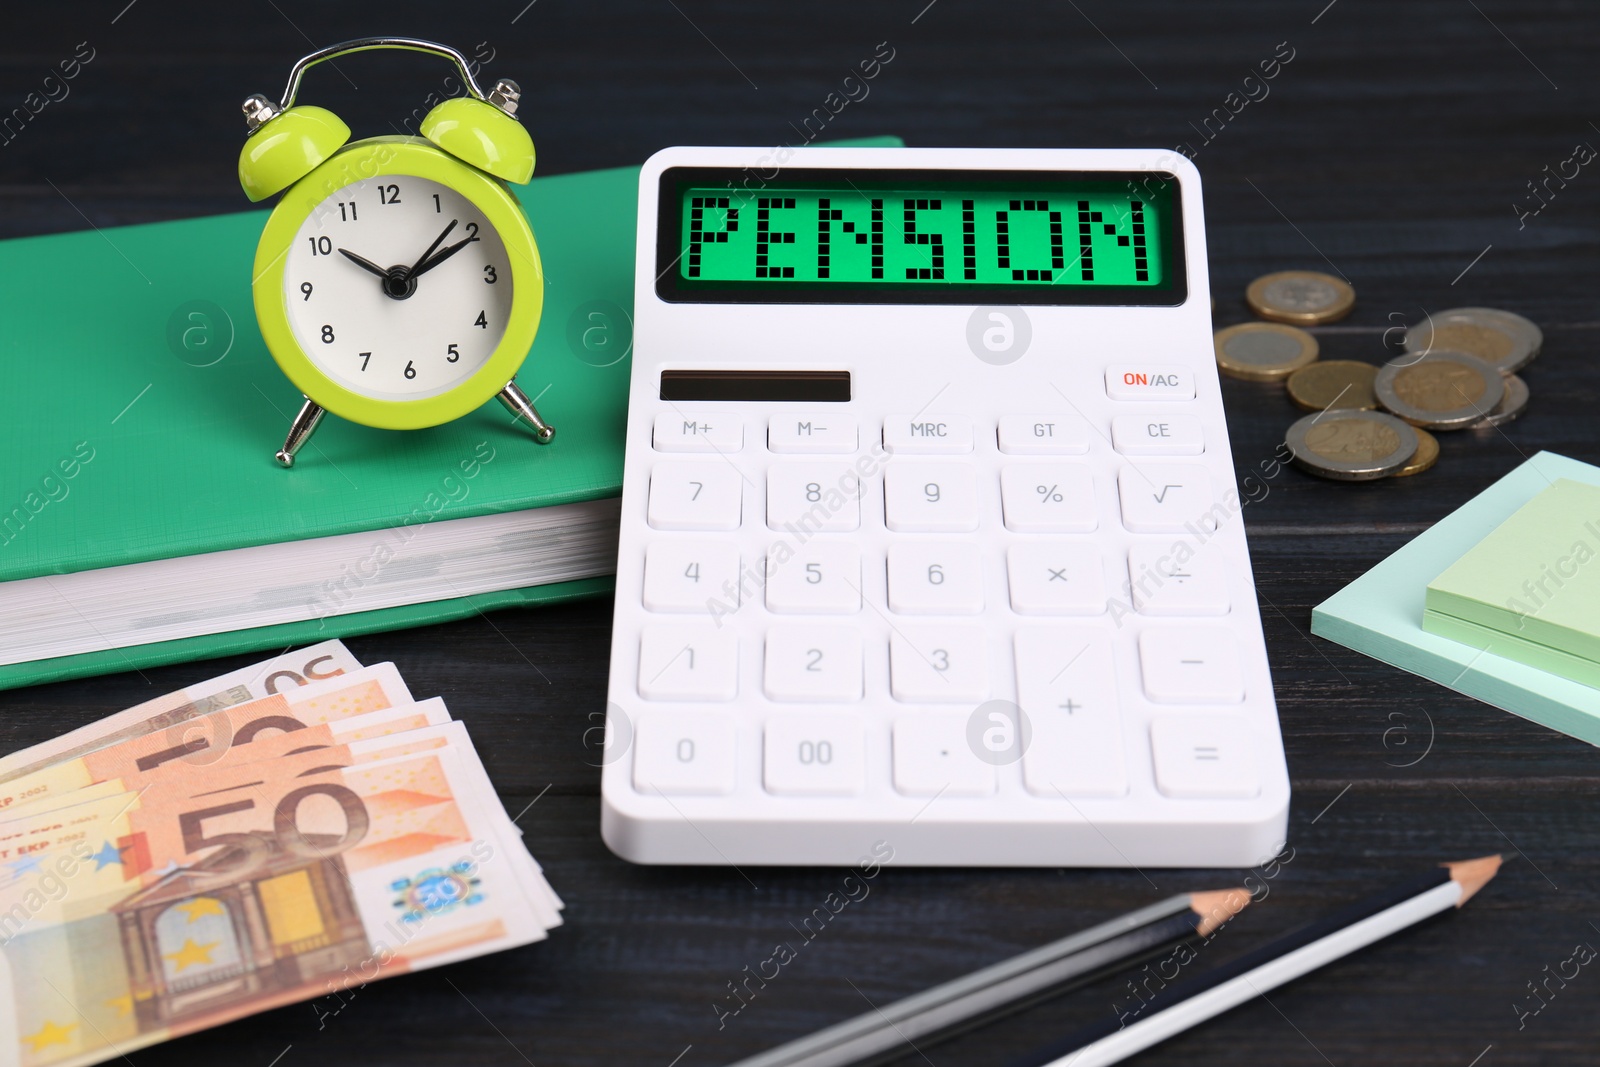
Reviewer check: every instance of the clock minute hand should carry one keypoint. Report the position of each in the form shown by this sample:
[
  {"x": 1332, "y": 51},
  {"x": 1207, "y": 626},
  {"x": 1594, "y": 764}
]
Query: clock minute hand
[
  {"x": 441, "y": 257},
  {"x": 363, "y": 263},
  {"x": 417, "y": 267}
]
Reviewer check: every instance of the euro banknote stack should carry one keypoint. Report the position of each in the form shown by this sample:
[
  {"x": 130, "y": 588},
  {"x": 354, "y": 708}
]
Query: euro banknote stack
[{"x": 297, "y": 828}]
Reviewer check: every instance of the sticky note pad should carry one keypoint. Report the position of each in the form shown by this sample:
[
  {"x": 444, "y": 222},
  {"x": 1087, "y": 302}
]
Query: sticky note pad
[
  {"x": 1535, "y": 580},
  {"x": 1381, "y": 613}
]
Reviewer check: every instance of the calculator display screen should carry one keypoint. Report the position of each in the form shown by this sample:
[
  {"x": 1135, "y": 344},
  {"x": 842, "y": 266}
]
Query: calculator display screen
[{"x": 870, "y": 236}]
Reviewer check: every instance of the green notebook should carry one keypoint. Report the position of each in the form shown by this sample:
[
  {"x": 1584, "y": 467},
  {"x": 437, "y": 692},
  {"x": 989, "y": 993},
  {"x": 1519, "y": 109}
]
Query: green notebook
[
  {"x": 141, "y": 411},
  {"x": 1532, "y": 586}
]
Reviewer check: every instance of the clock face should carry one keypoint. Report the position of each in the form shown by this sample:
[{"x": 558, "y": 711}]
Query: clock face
[{"x": 397, "y": 287}]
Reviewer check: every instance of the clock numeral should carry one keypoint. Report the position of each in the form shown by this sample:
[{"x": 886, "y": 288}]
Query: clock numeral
[
  {"x": 327, "y": 335},
  {"x": 472, "y": 231},
  {"x": 388, "y": 194},
  {"x": 411, "y": 370},
  {"x": 366, "y": 357},
  {"x": 489, "y": 276},
  {"x": 436, "y": 207},
  {"x": 482, "y": 323},
  {"x": 351, "y": 217},
  {"x": 321, "y": 246},
  {"x": 453, "y": 354},
  {"x": 305, "y": 287}
]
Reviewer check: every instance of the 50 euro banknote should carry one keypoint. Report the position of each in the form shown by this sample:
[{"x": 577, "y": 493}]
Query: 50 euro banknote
[
  {"x": 128, "y": 923},
  {"x": 203, "y": 738},
  {"x": 304, "y": 666}
]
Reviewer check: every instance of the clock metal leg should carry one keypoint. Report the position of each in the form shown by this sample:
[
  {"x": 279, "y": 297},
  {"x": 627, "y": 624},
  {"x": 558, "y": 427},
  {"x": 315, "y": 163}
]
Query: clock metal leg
[
  {"x": 300, "y": 431},
  {"x": 517, "y": 402}
]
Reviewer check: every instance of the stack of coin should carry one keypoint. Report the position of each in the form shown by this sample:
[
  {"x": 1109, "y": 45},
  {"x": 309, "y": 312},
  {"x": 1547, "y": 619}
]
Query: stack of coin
[
  {"x": 1458, "y": 372},
  {"x": 1509, "y": 342},
  {"x": 1439, "y": 390},
  {"x": 1351, "y": 445},
  {"x": 1504, "y": 340}
]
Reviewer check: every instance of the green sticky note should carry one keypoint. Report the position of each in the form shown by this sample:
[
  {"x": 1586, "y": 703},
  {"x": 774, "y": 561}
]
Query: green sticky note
[
  {"x": 1382, "y": 613},
  {"x": 1535, "y": 578}
]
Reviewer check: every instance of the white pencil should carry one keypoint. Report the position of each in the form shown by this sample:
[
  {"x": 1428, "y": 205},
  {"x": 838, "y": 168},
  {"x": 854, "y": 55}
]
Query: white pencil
[{"x": 1185, "y": 1004}]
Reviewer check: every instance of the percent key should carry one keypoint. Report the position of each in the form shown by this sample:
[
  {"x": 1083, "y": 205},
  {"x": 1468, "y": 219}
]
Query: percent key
[{"x": 1048, "y": 498}]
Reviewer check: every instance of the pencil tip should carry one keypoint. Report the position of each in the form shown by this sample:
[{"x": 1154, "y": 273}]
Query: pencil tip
[
  {"x": 1217, "y": 907},
  {"x": 1473, "y": 875}
]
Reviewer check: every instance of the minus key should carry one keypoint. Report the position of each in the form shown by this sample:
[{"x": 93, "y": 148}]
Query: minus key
[{"x": 811, "y": 433}]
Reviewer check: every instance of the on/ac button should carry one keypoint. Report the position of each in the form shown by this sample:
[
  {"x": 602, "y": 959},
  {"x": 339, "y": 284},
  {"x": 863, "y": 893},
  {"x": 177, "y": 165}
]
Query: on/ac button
[{"x": 1146, "y": 381}]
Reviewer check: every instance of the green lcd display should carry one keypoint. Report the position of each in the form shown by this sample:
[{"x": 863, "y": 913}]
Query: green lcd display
[{"x": 960, "y": 236}]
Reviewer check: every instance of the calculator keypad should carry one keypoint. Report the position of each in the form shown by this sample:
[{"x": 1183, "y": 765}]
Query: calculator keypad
[
  {"x": 935, "y": 578},
  {"x": 933, "y": 758},
  {"x": 693, "y": 661},
  {"x": 719, "y": 433},
  {"x": 930, "y": 497},
  {"x": 1049, "y": 559},
  {"x": 939, "y": 664},
  {"x": 695, "y": 495},
  {"x": 686, "y": 753},
  {"x": 818, "y": 578},
  {"x": 1043, "y": 435},
  {"x": 811, "y": 662},
  {"x": 1158, "y": 435},
  {"x": 1162, "y": 584},
  {"x": 1191, "y": 665},
  {"x": 1205, "y": 756},
  {"x": 816, "y": 496},
  {"x": 919, "y": 434},
  {"x": 1066, "y": 687},
  {"x": 1165, "y": 498},
  {"x": 809, "y": 433},
  {"x": 1056, "y": 578},
  {"x": 1048, "y": 498},
  {"x": 680, "y": 576},
  {"x": 817, "y": 755}
]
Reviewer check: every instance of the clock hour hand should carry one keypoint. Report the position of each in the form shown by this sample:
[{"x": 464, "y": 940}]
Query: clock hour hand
[
  {"x": 441, "y": 257},
  {"x": 363, "y": 263}
]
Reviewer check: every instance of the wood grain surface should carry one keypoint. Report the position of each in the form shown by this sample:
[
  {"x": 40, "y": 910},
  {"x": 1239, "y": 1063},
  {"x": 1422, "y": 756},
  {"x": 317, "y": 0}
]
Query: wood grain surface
[{"x": 1392, "y": 148}]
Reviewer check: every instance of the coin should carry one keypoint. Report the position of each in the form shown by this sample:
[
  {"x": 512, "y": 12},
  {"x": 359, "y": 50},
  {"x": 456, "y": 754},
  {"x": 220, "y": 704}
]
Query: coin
[
  {"x": 1300, "y": 297},
  {"x": 1502, "y": 338},
  {"x": 1263, "y": 351},
  {"x": 1440, "y": 390},
  {"x": 1351, "y": 446},
  {"x": 1333, "y": 383},
  {"x": 1511, "y": 405},
  {"x": 1426, "y": 456}
]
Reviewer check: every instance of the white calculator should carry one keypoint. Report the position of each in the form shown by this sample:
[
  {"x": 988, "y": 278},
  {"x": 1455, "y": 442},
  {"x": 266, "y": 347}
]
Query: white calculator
[{"x": 931, "y": 545}]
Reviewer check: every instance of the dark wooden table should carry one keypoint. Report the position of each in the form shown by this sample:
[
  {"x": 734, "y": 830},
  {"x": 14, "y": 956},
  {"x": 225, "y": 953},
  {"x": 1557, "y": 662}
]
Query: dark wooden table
[{"x": 1393, "y": 147}]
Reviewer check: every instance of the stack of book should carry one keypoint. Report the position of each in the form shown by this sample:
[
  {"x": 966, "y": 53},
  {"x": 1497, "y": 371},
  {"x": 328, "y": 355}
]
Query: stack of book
[{"x": 145, "y": 521}]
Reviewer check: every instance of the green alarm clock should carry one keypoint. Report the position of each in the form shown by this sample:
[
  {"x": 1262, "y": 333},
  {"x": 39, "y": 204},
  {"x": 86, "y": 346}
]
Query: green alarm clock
[{"x": 397, "y": 283}]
